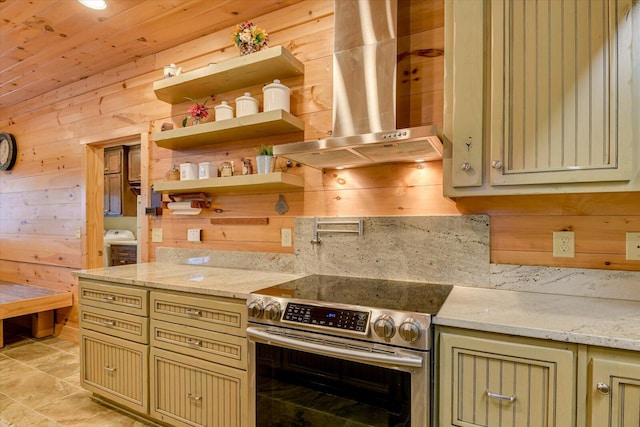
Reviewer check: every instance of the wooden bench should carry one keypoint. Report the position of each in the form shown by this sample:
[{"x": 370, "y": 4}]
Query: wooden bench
[{"x": 18, "y": 300}]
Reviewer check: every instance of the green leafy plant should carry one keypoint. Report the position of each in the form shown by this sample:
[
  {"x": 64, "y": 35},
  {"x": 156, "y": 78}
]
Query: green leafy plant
[{"x": 265, "y": 150}]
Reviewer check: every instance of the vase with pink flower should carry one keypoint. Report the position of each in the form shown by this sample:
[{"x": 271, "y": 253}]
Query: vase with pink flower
[
  {"x": 249, "y": 38},
  {"x": 197, "y": 112}
]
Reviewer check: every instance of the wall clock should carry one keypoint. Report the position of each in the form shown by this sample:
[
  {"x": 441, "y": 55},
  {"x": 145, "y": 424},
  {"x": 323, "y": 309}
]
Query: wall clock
[{"x": 8, "y": 151}]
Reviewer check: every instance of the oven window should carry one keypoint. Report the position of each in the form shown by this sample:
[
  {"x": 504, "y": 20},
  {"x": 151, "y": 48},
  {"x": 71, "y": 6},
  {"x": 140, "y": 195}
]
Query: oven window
[{"x": 296, "y": 388}]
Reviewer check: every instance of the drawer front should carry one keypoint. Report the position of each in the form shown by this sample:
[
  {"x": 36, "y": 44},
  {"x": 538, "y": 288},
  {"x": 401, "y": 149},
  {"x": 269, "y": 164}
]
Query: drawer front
[
  {"x": 215, "y": 314},
  {"x": 116, "y": 369},
  {"x": 220, "y": 348},
  {"x": 123, "y": 254},
  {"x": 113, "y": 297},
  {"x": 190, "y": 392},
  {"x": 122, "y": 325}
]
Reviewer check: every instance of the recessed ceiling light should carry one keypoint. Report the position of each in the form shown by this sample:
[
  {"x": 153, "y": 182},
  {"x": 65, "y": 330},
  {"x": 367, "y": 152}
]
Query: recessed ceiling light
[{"x": 95, "y": 4}]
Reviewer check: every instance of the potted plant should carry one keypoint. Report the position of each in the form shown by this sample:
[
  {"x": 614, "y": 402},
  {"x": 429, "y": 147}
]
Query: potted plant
[{"x": 265, "y": 160}]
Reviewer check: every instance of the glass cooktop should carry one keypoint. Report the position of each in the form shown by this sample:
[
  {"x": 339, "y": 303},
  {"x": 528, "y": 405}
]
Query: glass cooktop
[{"x": 375, "y": 293}]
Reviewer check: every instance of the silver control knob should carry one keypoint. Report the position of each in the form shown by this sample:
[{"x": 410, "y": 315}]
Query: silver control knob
[
  {"x": 410, "y": 330},
  {"x": 384, "y": 327},
  {"x": 255, "y": 309},
  {"x": 272, "y": 311}
]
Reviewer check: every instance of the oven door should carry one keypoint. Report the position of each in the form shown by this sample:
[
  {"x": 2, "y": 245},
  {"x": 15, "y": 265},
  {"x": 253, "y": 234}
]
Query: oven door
[{"x": 298, "y": 378}]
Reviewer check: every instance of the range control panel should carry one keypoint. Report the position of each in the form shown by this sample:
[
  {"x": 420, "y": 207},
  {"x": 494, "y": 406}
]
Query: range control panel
[{"x": 349, "y": 320}]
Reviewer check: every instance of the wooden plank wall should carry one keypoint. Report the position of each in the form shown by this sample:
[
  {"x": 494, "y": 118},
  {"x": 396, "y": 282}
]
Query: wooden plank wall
[{"x": 45, "y": 198}]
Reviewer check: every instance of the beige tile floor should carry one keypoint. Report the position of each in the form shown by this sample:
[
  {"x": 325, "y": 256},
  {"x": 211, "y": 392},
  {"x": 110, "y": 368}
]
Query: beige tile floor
[{"x": 40, "y": 385}]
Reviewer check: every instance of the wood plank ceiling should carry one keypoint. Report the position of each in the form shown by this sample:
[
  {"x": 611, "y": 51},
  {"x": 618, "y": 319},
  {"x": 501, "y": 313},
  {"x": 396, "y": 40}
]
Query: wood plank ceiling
[{"x": 47, "y": 44}]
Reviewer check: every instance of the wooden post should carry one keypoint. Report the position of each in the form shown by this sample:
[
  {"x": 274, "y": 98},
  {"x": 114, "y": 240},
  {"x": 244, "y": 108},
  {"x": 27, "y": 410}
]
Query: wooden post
[{"x": 42, "y": 324}]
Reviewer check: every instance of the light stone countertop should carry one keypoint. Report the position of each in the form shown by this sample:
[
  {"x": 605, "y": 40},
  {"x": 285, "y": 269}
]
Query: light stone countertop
[
  {"x": 583, "y": 320},
  {"x": 223, "y": 282}
]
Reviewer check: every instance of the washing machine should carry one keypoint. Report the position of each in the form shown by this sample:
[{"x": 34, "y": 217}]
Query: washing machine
[{"x": 118, "y": 237}]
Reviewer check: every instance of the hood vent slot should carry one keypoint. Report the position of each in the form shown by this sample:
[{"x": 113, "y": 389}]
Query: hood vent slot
[{"x": 365, "y": 94}]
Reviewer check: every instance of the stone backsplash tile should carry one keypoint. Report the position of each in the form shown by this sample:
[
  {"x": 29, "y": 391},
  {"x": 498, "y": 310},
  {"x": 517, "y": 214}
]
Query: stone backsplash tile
[{"x": 438, "y": 249}]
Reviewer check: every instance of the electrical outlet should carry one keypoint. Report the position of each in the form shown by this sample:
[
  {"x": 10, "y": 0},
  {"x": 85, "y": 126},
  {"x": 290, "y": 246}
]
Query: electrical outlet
[
  {"x": 286, "y": 237},
  {"x": 564, "y": 244},
  {"x": 78, "y": 232},
  {"x": 633, "y": 246},
  {"x": 193, "y": 234},
  {"x": 156, "y": 235}
]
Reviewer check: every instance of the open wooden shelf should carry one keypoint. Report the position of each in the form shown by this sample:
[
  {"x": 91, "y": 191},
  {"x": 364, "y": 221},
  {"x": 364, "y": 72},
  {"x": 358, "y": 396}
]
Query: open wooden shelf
[
  {"x": 258, "y": 67},
  {"x": 255, "y": 125},
  {"x": 256, "y": 183}
]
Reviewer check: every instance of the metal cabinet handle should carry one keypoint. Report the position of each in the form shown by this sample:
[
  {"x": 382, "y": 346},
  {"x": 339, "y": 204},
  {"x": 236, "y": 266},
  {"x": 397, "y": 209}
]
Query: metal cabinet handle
[
  {"x": 108, "y": 323},
  {"x": 108, "y": 298},
  {"x": 194, "y": 342},
  {"x": 192, "y": 397},
  {"x": 603, "y": 388},
  {"x": 496, "y": 164},
  {"x": 191, "y": 312},
  {"x": 108, "y": 369},
  {"x": 465, "y": 166},
  {"x": 502, "y": 397}
]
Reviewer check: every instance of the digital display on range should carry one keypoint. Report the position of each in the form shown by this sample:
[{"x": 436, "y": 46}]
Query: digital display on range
[{"x": 350, "y": 320}]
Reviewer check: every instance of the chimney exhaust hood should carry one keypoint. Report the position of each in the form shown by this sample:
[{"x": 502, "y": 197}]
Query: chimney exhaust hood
[{"x": 365, "y": 95}]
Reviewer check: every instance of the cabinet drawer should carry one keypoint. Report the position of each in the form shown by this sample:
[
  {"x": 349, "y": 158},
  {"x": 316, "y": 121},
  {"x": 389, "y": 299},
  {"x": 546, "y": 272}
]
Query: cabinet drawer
[
  {"x": 113, "y": 297},
  {"x": 116, "y": 369},
  {"x": 487, "y": 382},
  {"x": 123, "y": 254},
  {"x": 127, "y": 326},
  {"x": 225, "y": 349},
  {"x": 215, "y": 314},
  {"x": 190, "y": 392}
]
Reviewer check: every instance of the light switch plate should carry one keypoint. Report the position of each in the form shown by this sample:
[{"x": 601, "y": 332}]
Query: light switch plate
[
  {"x": 193, "y": 234},
  {"x": 156, "y": 235},
  {"x": 633, "y": 246},
  {"x": 286, "y": 238}
]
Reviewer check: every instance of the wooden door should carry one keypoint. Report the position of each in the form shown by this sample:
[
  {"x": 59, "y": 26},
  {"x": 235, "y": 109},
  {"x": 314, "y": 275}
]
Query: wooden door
[
  {"x": 134, "y": 165},
  {"x": 560, "y": 91},
  {"x": 187, "y": 391},
  {"x": 115, "y": 368},
  {"x": 496, "y": 383},
  {"x": 113, "y": 194},
  {"x": 614, "y": 393}
]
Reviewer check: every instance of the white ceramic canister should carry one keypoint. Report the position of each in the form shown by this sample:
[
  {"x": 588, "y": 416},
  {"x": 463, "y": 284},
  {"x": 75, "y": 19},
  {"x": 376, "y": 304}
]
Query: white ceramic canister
[
  {"x": 276, "y": 97},
  {"x": 246, "y": 105},
  {"x": 188, "y": 171},
  {"x": 224, "y": 111},
  {"x": 207, "y": 170}
]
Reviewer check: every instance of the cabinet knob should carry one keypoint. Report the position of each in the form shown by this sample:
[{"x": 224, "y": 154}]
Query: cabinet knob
[
  {"x": 496, "y": 164},
  {"x": 603, "y": 388},
  {"x": 465, "y": 166}
]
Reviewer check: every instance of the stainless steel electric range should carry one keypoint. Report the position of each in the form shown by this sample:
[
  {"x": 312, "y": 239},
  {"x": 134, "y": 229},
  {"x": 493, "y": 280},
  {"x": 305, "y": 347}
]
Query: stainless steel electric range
[{"x": 332, "y": 350}]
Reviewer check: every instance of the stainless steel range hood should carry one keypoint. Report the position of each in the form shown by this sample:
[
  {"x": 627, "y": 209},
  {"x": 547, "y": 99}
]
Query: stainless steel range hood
[{"x": 365, "y": 95}]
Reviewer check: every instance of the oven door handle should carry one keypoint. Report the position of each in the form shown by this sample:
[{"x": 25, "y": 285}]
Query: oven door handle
[{"x": 265, "y": 337}]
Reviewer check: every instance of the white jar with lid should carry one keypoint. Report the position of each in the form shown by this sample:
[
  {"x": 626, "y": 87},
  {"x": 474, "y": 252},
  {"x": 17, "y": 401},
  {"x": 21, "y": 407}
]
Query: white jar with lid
[
  {"x": 224, "y": 111},
  {"x": 246, "y": 105},
  {"x": 276, "y": 96},
  {"x": 188, "y": 171}
]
